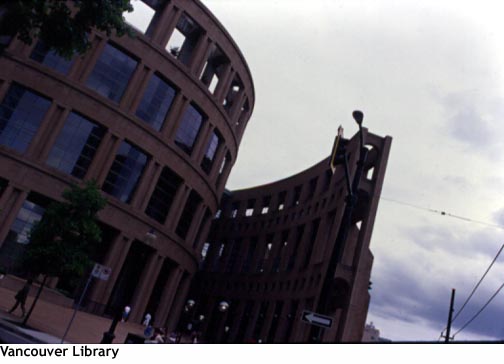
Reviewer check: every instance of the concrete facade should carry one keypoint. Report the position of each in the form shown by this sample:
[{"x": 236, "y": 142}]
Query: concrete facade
[
  {"x": 180, "y": 155},
  {"x": 269, "y": 251}
]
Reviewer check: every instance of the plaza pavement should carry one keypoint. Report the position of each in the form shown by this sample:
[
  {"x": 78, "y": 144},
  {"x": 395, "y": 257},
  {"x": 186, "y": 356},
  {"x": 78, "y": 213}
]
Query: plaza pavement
[{"x": 48, "y": 322}]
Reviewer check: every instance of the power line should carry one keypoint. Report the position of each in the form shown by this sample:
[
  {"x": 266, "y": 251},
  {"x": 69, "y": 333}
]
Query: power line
[
  {"x": 443, "y": 213},
  {"x": 481, "y": 310},
  {"x": 477, "y": 285}
]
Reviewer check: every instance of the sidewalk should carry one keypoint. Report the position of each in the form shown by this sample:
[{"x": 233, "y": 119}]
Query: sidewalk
[{"x": 49, "y": 321}]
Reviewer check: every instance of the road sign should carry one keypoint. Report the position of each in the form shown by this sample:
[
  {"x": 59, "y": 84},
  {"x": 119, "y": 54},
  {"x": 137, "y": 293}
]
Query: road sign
[
  {"x": 101, "y": 272},
  {"x": 316, "y": 319}
]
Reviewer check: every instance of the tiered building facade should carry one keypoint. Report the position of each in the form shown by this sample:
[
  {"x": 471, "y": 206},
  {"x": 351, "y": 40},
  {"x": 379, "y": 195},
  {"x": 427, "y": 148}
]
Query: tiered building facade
[{"x": 157, "y": 120}]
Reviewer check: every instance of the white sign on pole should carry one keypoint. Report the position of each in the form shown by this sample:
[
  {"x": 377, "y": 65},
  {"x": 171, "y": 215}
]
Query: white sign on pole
[{"x": 101, "y": 272}]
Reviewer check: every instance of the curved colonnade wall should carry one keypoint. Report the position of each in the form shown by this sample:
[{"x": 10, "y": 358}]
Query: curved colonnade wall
[
  {"x": 155, "y": 119},
  {"x": 269, "y": 248}
]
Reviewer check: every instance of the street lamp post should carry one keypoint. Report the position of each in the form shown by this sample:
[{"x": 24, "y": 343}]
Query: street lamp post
[
  {"x": 351, "y": 200},
  {"x": 109, "y": 336}
]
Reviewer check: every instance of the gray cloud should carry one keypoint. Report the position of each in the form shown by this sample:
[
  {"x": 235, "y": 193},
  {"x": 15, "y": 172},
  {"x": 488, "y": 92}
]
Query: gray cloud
[
  {"x": 475, "y": 121},
  {"x": 411, "y": 288}
]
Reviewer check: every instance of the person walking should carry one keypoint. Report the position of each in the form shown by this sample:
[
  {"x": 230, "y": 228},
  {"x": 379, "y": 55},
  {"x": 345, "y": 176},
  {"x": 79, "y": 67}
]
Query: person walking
[{"x": 21, "y": 297}]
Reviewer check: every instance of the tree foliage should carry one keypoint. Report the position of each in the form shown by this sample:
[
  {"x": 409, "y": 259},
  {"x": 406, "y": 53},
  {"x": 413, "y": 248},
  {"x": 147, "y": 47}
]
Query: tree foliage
[
  {"x": 60, "y": 244},
  {"x": 63, "y": 25}
]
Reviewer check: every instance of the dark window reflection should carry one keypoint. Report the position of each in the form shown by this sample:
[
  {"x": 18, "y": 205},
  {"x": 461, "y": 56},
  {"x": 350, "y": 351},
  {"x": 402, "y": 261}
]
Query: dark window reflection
[
  {"x": 112, "y": 73},
  {"x": 212, "y": 147},
  {"x": 43, "y": 54},
  {"x": 76, "y": 146},
  {"x": 189, "y": 129},
  {"x": 156, "y": 102},
  {"x": 188, "y": 214},
  {"x": 21, "y": 113},
  {"x": 125, "y": 172},
  {"x": 163, "y": 195}
]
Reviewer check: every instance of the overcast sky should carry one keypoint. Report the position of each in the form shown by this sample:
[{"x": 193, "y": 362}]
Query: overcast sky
[{"x": 429, "y": 74}]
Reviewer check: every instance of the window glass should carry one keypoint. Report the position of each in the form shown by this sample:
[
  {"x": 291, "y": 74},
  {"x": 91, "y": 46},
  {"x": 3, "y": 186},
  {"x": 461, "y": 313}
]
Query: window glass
[
  {"x": 189, "y": 129},
  {"x": 156, "y": 102},
  {"x": 213, "y": 145},
  {"x": 125, "y": 172},
  {"x": 112, "y": 72},
  {"x": 163, "y": 195},
  {"x": 76, "y": 145},
  {"x": 43, "y": 54},
  {"x": 188, "y": 214},
  {"x": 21, "y": 113}
]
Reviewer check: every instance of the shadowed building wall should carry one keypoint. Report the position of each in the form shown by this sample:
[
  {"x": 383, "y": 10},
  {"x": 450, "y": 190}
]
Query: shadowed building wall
[
  {"x": 156, "y": 119},
  {"x": 269, "y": 250}
]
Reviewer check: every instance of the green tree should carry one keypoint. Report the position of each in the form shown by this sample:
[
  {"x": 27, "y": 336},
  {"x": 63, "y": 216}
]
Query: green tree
[
  {"x": 61, "y": 243},
  {"x": 59, "y": 24}
]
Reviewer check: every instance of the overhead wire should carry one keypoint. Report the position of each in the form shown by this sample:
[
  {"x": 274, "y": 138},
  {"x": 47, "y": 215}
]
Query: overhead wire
[
  {"x": 443, "y": 213},
  {"x": 479, "y": 282},
  {"x": 481, "y": 310}
]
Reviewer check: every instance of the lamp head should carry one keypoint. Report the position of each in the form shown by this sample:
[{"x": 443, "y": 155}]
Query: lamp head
[
  {"x": 358, "y": 116},
  {"x": 223, "y": 306}
]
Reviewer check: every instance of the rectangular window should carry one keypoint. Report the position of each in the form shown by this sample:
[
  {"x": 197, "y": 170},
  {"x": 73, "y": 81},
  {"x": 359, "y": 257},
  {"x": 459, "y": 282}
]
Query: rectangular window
[
  {"x": 29, "y": 214},
  {"x": 15, "y": 243},
  {"x": 21, "y": 114},
  {"x": 112, "y": 72},
  {"x": 188, "y": 214},
  {"x": 213, "y": 145},
  {"x": 125, "y": 172},
  {"x": 76, "y": 146},
  {"x": 297, "y": 195},
  {"x": 311, "y": 243},
  {"x": 281, "y": 200},
  {"x": 250, "y": 255},
  {"x": 250, "y": 207},
  {"x": 214, "y": 68},
  {"x": 163, "y": 195},
  {"x": 156, "y": 102},
  {"x": 44, "y": 55},
  {"x": 184, "y": 39},
  {"x": 188, "y": 129}
]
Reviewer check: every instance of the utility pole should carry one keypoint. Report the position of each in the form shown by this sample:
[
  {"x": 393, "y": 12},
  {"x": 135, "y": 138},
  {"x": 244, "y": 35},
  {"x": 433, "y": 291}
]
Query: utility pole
[{"x": 448, "y": 326}]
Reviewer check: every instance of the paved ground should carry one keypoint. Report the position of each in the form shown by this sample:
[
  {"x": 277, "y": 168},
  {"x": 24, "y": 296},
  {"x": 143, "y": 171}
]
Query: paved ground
[{"x": 48, "y": 322}]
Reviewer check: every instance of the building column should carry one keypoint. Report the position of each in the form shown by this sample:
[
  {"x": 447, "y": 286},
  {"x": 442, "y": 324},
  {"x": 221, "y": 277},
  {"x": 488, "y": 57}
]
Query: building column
[
  {"x": 146, "y": 181},
  {"x": 174, "y": 116},
  {"x": 237, "y": 107},
  {"x": 163, "y": 23},
  {"x": 135, "y": 87},
  {"x": 101, "y": 290},
  {"x": 217, "y": 162},
  {"x": 203, "y": 232},
  {"x": 268, "y": 318},
  {"x": 201, "y": 142},
  {"x": 109, "y": 157},
  {"x": 282, "y": 323},
  {"x": 201, "y": 57},
  {"x": 249, "y": 330},
  {"x": 196, "y": 223},
  {"x": 235, "y": 325},
  {"x": 177, "y": 207},
  {"x": 146, "y": 284},
  {"x": 102, "y": 152},
  {"x": 168, "y": 296},
  {"x": 223, "y": 86},
  {"x": 13, "y": 200},
  {"x": 85, "y": 64},
  {"x": 181, "y": 296},
  {"x": 45, "y": 127},
  {"x": 51, "y": 132}
]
